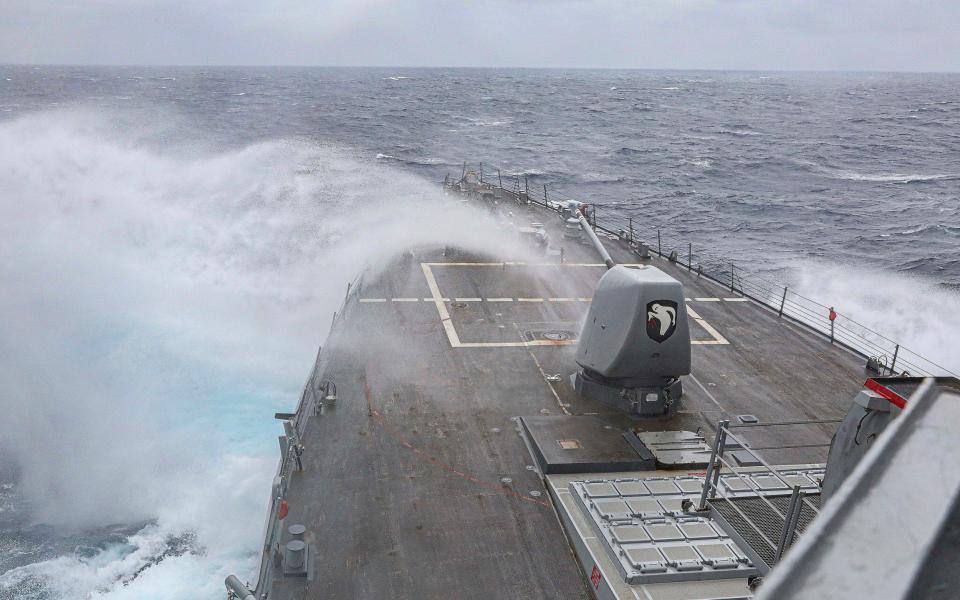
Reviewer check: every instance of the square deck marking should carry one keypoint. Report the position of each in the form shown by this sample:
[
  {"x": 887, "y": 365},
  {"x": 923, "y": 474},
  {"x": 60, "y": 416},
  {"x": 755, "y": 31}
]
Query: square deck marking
[{"x": 454, "y": 338}]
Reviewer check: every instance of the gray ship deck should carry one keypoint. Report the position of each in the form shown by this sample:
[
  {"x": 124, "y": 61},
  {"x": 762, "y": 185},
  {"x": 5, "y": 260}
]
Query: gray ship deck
[{"x": 403, "y": 491}]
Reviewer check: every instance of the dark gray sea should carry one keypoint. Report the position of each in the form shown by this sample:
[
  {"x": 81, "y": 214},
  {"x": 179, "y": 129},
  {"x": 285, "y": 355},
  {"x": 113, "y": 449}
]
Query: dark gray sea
[{"x": 175, "y": 239}]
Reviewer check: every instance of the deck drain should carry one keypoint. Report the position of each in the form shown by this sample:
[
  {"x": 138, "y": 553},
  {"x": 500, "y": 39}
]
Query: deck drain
[
  {"x": 506, "y": 480},
  {"x": 495, "y": 430},
  {"x": 530, "y": 467},
  {"x": 458, "y": 304},
  {"x": 535, "y": 493},
  {"x": 556, "y": 336}
]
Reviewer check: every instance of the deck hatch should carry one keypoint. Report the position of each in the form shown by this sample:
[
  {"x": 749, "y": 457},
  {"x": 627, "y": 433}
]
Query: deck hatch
[
  {"x": 650, "y": 538},
  {"x": 631, "y": 488}
]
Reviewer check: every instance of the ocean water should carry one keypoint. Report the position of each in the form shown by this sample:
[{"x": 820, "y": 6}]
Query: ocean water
[{"x": 175, "y": 240}]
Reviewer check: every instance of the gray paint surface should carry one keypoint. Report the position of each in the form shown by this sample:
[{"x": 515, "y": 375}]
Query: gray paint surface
[
  {"x": 883, "y": 524},
  {"x": 402, "y": 492}
]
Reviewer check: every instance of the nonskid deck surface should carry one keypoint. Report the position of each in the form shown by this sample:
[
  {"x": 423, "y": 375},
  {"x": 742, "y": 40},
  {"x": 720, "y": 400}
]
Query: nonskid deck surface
[{"x": 418, "y": 484}]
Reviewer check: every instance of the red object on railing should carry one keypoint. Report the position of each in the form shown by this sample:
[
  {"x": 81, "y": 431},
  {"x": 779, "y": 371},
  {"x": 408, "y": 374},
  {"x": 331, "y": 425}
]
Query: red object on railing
[
  {"x": 833, "y": 315},
  {"x": 894, "y": 398},
  {"x": 282, "y": 510}
]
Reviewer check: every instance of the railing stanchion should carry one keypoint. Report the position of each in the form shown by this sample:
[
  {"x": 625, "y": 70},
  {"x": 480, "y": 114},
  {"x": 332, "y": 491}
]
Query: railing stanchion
[
  {"x": 720, "y": 450},
  {"x": 792, "y": 530},
  {"x": 832, "y": 317},
  {"x": 803, "y": 311},
  {"x": 712, "y": 466},
  {"x": 785, "y": 534}
]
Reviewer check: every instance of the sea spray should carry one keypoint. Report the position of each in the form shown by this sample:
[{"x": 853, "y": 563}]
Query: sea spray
[
  {"x": 908, "y": 309},
  {"x": 159, "y": 305}
]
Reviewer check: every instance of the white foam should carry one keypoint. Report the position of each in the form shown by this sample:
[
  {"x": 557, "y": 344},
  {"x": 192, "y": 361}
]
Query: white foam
[
  {"x": 159, "y": 305},
  {"x": 912, "y": 310},
  {"x": 892, "y": 177}
]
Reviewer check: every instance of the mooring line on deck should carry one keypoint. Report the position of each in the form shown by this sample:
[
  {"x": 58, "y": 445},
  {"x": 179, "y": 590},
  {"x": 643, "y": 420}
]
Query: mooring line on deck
[{"x": 399, "y": 437}]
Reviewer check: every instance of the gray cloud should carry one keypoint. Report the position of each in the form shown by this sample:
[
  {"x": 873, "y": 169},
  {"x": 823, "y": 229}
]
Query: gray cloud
[{"x": 913, "y": 35}]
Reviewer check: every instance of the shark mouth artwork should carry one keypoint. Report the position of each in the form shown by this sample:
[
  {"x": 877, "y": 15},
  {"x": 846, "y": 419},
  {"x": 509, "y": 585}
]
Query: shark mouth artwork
[{"x": 661, "y": 319}]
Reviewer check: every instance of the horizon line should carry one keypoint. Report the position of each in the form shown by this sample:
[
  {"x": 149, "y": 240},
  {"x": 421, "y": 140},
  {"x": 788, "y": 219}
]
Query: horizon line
[{"x": 477, "y": 67}]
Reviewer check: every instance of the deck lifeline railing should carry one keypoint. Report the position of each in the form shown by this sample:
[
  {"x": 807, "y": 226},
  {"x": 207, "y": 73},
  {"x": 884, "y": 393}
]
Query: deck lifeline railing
[
  {"x": 273, "y": 530},
  {"x": 712, "y": 489},
  {"x": 884, "y": 355}
]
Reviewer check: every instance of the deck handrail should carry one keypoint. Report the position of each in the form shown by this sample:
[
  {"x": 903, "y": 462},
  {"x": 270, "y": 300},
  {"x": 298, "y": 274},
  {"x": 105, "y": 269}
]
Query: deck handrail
[
  {"x": 887, "y": 355},
  {"x": 272, "y": 530}
]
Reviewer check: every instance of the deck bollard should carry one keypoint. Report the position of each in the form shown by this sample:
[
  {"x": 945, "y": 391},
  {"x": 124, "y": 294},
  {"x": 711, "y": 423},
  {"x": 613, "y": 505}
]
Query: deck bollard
[
  {"x": 296, "y": 531},
  {"x": 294, "y": 555}
]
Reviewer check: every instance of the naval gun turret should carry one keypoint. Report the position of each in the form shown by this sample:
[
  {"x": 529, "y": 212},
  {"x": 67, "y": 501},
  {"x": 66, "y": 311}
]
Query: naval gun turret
[{"x": 635, "y": 343}]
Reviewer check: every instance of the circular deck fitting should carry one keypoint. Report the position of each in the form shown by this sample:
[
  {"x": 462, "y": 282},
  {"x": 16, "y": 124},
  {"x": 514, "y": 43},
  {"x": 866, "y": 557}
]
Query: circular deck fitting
[
  {"x": 535, "y": 493},
  {"x": 530, "y": 467},
  {"x": 495, "y": 430},
  {"x": 458, "y": 304},
  {"x": 556, "y": 336},
  {"x": 506, "y": 480},
  {"x": 297, "y": 531}
]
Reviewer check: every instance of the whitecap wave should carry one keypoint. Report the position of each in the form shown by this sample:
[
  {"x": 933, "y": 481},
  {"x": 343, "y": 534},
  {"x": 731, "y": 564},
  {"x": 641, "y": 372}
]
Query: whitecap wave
[
  {"x": 739, "y": 132},
  {"x": 892, "y": 177}
]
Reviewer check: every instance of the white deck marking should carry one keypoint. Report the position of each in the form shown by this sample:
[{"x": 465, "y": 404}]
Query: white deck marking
[
  {"x": 373, "y": 299},
  {"x": 736, "y": 299},
  {"x": 717, "y": 338},
  {"x": 447, "y": 322},
  {"x": 405, "y": 299},
  {"x": 441, "y": 307},
  {"x": 451, "y": 331}
]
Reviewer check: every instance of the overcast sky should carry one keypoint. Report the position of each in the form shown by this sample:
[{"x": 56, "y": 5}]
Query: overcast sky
[{"x": 902, "y": 35}]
